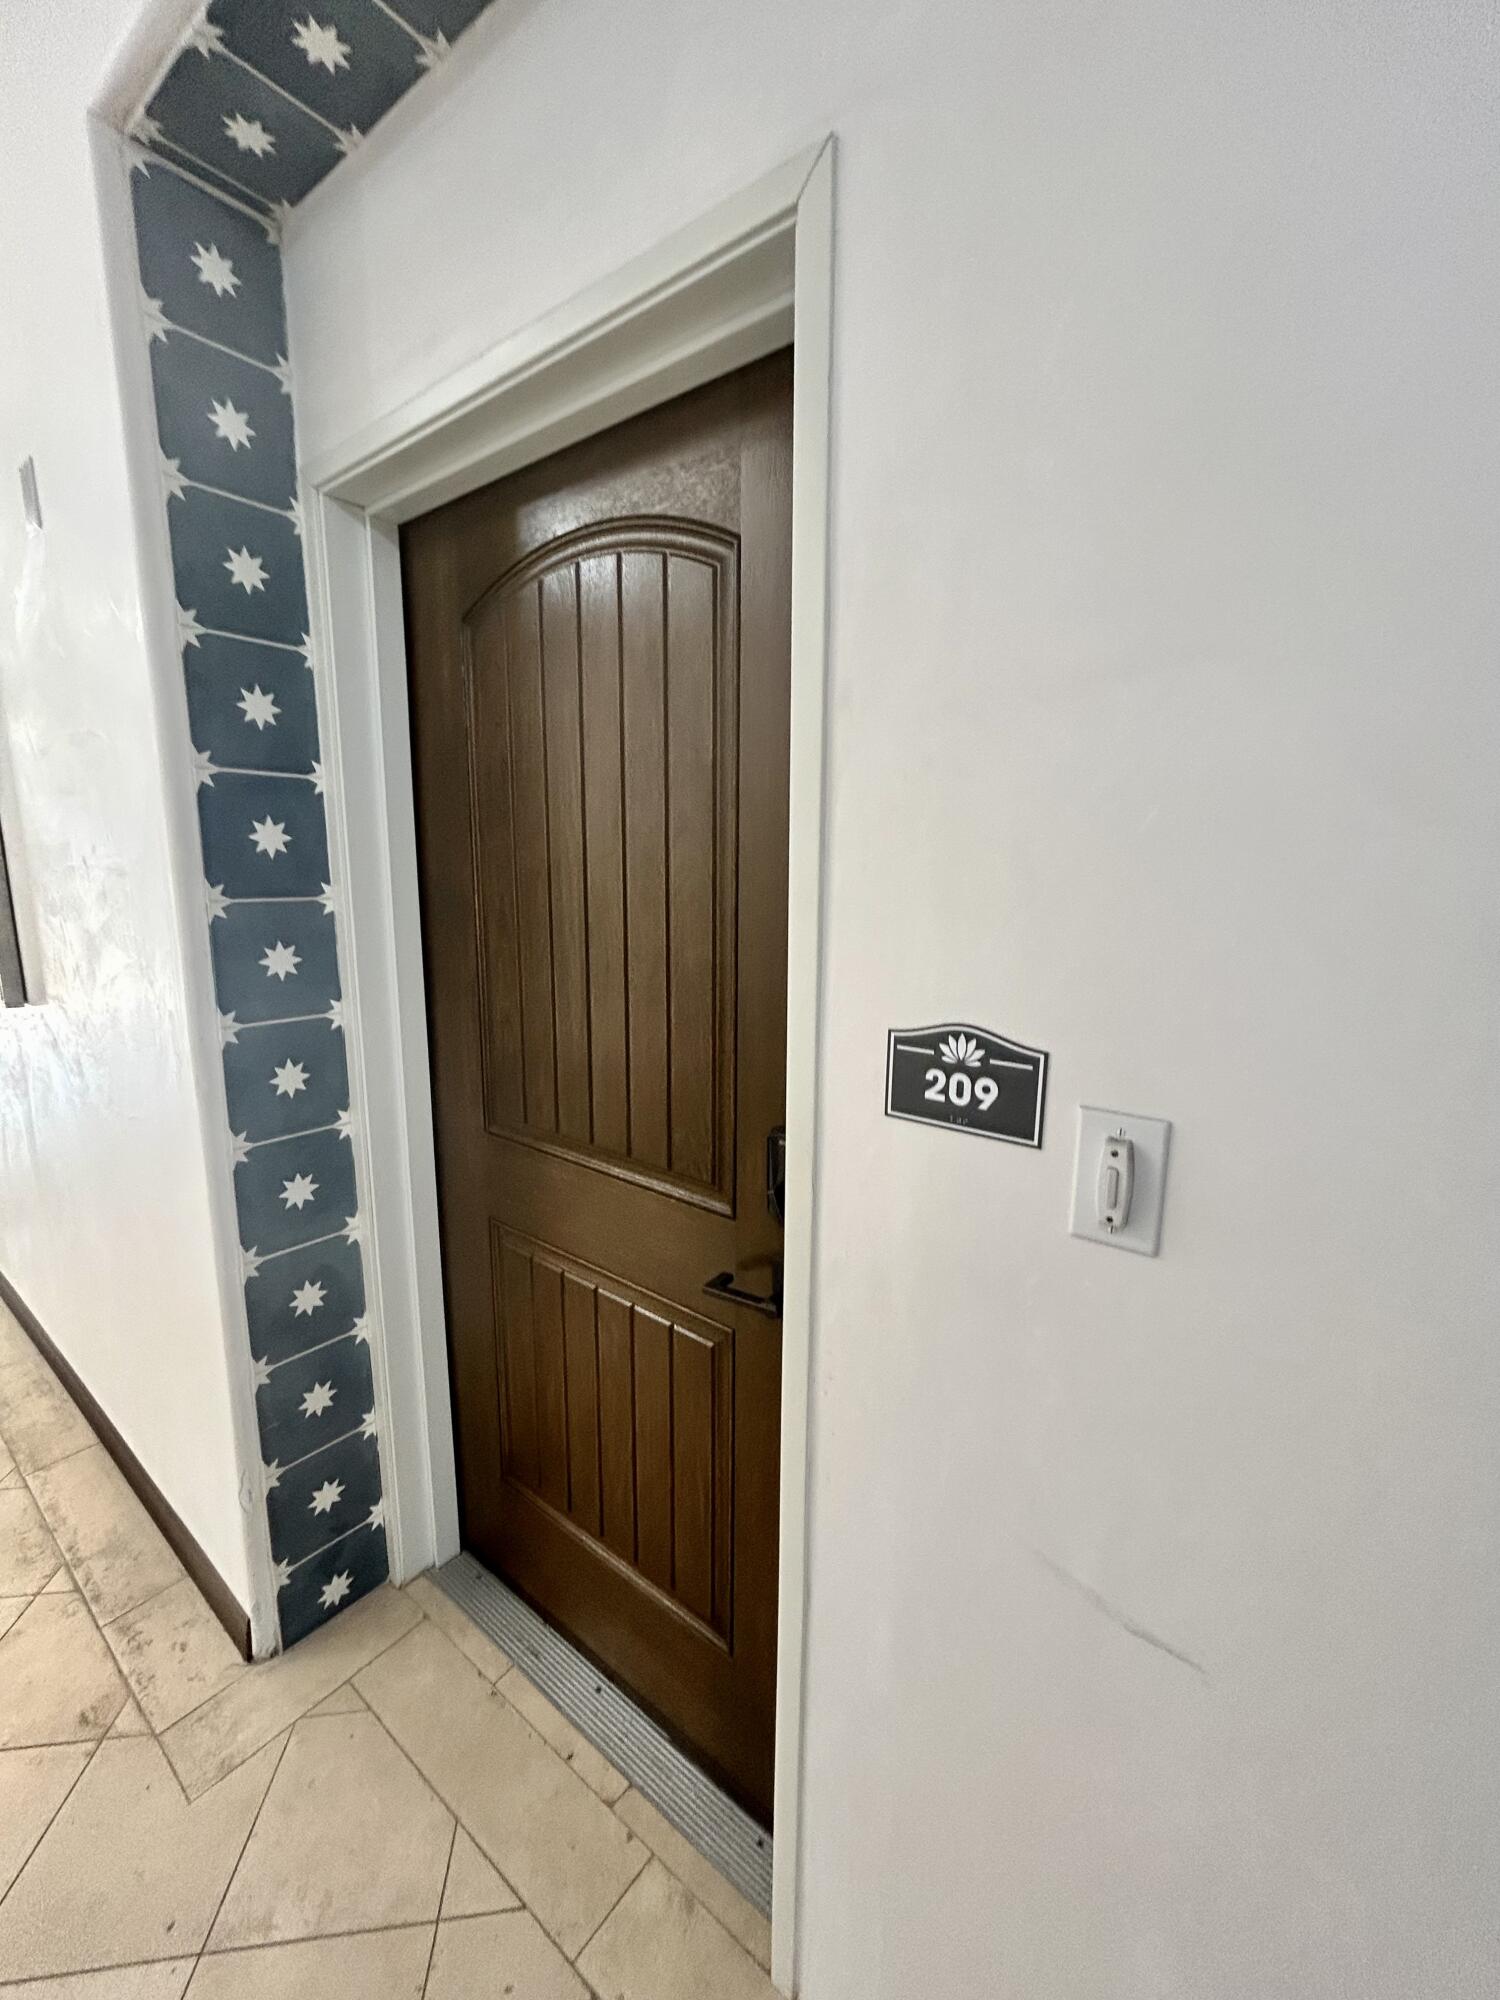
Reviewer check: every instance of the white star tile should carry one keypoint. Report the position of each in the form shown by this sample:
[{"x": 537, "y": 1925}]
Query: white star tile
[
  {"x": 269, "y": 836},
  {"x": 215, "y": 270},
  {"x": 298, "y": 1191},
  {"x": 280, "y": 961}
]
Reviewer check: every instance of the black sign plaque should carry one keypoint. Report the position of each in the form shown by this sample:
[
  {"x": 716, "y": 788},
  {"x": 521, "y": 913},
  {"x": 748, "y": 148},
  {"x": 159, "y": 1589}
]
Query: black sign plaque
[{"x": 963, "y": 1076}]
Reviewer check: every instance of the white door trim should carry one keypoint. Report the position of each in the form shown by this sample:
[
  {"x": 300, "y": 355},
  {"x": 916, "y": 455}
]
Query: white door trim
[{"x": 752, "y": 273}]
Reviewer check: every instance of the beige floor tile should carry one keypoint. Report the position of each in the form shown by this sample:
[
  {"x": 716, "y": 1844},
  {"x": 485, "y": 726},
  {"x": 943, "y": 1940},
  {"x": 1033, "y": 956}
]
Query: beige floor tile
[
  {"x": 476, "y": 1646},
  {"x": 343, "y": 1701},
  {"x": 174, "y": 1653},
  {"x": 11, "y": 1479},
  {"x": 740, "y": 1918},
  {"x": 28, "y": 1554},
  {"x": 33, "y": 1784},
  {"x": 60, "y": 1579},
  {"x": 476, "y": 1957},
  {"x": 349, "y": 1838},
  {"x": 269, "y": 1698},
  {"x": 546, "y": 1832},
  {"x": 58, "y": 1680},
  {"x": 116, "y": 1552},
  {"x": 474, "y": 1888},
  {"x": 7, "y": 1463},
  {"x": 661, "y": 1944},
  {"x": 381, "y": 1965},
  {"x": 130, "y": 1721},
  {"x": 10, "y": 1610},
  {"x": 128, "y": 1870},
  {"x": 40, "y": 1420},
  {"x": 165, "y": 1980},
  {"x": 571, "y": 1744}
]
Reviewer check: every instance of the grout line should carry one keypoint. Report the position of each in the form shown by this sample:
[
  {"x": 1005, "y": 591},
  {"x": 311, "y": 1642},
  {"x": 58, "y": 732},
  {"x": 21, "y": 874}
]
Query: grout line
[
  {"x": 442, "y": 1796},
  {"x": 256, "y": 209},
  {"x": 257, "y": 770},
  {"x": 255, "y": 902},
  {"x": 279, "y": 1021},
  {"x": 83, "y": 1598},
  {"x": 431, "y": 1785},
  {"x": 89, "y": 1743},
  {"x": 651, "y": 1855},
  {"x": 323, "y": 1547},
  {"x": 301, "y": 1355},
  {"x": 224, "y": 493},
  {"x": 52, "y": 1821},
  {"x": 114, "y": 1658},
  {"x": 312, "y": 1242},
  {"x": 384, "y": 7},
  {"x": 77, "y": 1452},
  {"x": 219, "y": 347},
  {"x": 278, "y": 646},
  {"x": 313, "y": 1937},
  {"x": 286, "y": 1138},
  {"x": 254, "y": 1665},
  {"x": 316, "y": 1452},
  {"x": 130, "y": 1611},
  {"x": 240, "y": 1857},
  {"x": 442, "y": 1892}
]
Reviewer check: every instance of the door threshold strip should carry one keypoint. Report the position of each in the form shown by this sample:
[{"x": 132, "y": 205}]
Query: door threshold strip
[{"x": 720, "y": 1830}]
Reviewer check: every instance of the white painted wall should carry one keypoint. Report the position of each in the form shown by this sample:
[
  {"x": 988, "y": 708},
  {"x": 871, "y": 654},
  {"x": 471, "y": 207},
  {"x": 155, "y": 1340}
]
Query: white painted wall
[
  {"x": 1164, "y": 730},
  {"x": 105, "y": 1221}
]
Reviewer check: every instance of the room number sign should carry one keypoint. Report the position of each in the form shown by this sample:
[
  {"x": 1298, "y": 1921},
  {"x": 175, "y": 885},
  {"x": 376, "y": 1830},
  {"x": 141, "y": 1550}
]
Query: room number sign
[{"x": 955, "y": 1074}]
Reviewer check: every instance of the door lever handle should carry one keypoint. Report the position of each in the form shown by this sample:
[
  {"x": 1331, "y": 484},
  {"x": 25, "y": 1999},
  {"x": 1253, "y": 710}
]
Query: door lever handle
[{"x": 724, "y": 1287}]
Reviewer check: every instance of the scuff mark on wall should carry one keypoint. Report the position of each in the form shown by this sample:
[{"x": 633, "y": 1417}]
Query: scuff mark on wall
[{"x": 1118, "y": 1617}]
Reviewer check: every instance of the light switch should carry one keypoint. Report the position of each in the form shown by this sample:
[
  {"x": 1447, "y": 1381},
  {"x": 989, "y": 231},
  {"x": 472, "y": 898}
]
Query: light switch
[{"x": 1119, "y": 1178}]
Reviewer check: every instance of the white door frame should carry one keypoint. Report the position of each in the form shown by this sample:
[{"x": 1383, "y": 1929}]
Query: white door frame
[{"x": 738, "y": 283}]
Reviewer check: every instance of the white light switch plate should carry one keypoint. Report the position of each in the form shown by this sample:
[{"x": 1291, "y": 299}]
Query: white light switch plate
[{"x": 1149, "y": 1136}]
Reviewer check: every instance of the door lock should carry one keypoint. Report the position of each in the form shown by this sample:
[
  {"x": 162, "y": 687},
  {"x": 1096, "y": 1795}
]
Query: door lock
[{"x": 776, "y": 1172}]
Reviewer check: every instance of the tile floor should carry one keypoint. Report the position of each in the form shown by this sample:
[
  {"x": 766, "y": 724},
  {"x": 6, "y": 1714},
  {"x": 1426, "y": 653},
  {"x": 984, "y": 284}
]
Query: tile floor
[{"x": 389, "y": 1810}]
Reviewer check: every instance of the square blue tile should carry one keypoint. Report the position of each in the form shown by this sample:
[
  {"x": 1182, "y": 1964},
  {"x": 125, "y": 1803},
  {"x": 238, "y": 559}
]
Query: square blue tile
[
  {"x": 332, "y": 1580},
  {"x": 226, "y": 422},
  {"x": 238, "y": 568},
  {"x": 323, "y": 1497},
  {"x": 346, "y": 59},
  {"x": 294, "y": 1191},
  {"x": 300, "y": 1300},
  {"x": 219, "y": 113},
  {"x": 314, "y": 1399},
  {"x": 263, "y": 836},
  {"x": 272, "y": 960},
  {"x": 213, "y": 269},
  {"x": 251, "y": 707},
  {"x": 285, "y": 1079}
]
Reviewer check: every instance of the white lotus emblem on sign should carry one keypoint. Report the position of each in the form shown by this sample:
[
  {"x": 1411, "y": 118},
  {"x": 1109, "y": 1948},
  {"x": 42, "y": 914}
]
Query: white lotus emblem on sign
[{"x": 961, "y": 1049}]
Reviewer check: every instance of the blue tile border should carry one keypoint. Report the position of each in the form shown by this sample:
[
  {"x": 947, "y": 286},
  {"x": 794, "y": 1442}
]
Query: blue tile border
[
  {"x": 215, "y": 328},
  {"x": 262, "y": 99}
]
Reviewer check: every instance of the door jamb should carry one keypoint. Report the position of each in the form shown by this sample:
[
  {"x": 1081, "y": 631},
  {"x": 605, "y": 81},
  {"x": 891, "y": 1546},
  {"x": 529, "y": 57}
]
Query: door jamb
[{"x": 754, "y": 272}]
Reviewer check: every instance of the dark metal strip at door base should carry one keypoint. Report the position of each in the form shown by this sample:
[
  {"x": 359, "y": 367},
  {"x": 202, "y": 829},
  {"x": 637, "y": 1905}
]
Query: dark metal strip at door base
[{"x": 721, "y": 1831}]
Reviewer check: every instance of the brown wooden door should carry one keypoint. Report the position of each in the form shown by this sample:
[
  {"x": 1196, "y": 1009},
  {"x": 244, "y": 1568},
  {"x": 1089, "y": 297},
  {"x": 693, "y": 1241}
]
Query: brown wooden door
[{"x": 599, "y": 657}]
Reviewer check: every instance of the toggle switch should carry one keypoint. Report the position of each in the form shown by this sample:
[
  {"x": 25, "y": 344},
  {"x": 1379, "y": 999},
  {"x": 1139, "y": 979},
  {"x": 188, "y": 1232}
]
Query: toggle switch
[
  {"x": 1116, "y": 1181},
  {"x": 1119, "y": 1178}
]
